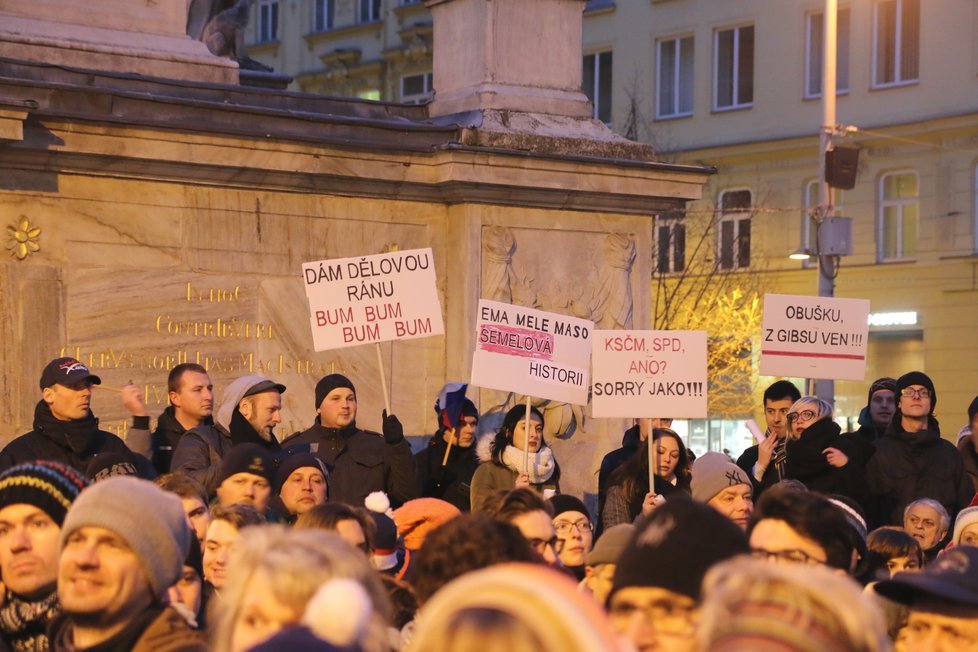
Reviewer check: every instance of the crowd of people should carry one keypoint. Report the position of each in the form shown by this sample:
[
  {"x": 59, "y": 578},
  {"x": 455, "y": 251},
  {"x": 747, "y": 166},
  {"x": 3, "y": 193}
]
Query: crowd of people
[{"x": 212, "y": 531}]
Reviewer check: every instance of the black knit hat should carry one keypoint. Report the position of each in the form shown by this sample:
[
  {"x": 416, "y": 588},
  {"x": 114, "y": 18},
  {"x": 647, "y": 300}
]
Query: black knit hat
[
  {"x": 567, "y": 503},
  {"x": 675, "y": 547},
  {"x": 880, "y": 384},
  {"x": 49, "y": 486},
  {"x": 917, "y": 378},
  {"x": 291, "y": 463},
  {"x": 328, "y": 383},
  {"x": 248, "y": 458}
]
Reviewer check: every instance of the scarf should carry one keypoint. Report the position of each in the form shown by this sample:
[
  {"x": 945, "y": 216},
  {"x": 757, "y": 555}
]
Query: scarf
[
  {"x": 542, "y": 464},
  {"x": 77, "y": 435},
  {"x": 24, "y": 623},
  {"x": 242, "y": 432}
]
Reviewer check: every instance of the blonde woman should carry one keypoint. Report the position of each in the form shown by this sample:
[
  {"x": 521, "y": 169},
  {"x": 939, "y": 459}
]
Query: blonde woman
[
  {"x": 818, "y": 455},
  {"x": 276, "y": 571}
]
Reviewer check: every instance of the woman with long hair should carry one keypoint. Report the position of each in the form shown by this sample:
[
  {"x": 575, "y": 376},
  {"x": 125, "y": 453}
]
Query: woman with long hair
[
  {"x": 629, "y": 493},
  {"x": 501, "y": 458}
]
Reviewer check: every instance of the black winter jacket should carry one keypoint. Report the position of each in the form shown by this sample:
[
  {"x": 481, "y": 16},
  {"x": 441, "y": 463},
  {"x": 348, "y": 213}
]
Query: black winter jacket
[{"x": 451, "y": 482}]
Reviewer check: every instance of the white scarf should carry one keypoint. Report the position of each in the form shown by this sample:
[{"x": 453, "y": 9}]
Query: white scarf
[{"x": 542, "y": 463}]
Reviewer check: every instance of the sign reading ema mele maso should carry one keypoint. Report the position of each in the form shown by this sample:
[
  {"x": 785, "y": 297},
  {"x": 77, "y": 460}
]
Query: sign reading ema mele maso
[
  {"x": 532, "y": 352},
  {"x": 355, "y": 301},
  {"x": 814, "y": 337},
  {"x": 646, "y": 374}
]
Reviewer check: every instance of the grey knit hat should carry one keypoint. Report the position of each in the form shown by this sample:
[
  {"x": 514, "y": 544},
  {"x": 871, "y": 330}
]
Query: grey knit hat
[
  {"x": 150, "y": 520},
  {"x": 712, "y": 473}
]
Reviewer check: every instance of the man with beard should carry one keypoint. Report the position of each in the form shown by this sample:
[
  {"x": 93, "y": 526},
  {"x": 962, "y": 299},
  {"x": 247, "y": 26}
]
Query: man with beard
[
  {"x": 250, "y": 410},
  {"x": 65, "y": 430},
  {"x": 358, "y": 462}
]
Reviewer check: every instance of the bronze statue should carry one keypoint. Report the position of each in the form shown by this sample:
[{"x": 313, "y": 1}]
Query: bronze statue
[{"x": 221, "y": 25}]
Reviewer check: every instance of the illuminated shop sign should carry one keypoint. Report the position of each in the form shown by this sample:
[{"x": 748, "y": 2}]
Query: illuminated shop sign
[{"x": 893, "y": 318}]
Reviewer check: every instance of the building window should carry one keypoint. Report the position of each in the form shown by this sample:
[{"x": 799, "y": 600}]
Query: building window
[
  {"x": 734, "y": 238},
  {"x": 670, "y": 243},
  {"x": 896, "y": 42},
  {"x": 814, "y": 33},
  {"x": 267, "y": 21},
  {"x": 597, "y": 84},
  {"x": 674, "y": 91},
  {"x": 369, "y": 11},
  {"x": 325, "y": 14},
  {"x": 899, "y": 208},
  {"x": 809, "y": 232},
  {"x": 416, "y": 89},
  {"x": 733, "y": 68}
]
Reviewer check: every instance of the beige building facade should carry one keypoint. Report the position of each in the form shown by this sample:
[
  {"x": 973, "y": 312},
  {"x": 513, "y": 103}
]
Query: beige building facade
[{"x": 737, "y": 85}]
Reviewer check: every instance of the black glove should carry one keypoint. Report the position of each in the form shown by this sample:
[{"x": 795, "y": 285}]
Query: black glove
[{"x": 393, "y": 430}]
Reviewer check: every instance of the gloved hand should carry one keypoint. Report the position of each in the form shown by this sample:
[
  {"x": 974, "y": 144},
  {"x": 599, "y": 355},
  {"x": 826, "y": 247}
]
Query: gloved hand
[{"x": 393, "y": 430}]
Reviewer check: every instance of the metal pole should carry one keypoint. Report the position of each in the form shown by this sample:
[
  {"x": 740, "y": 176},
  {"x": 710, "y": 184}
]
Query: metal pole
[{"x": 825, "y": 389}]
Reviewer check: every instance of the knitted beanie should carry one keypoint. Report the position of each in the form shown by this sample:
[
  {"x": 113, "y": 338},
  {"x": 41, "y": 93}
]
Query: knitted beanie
[
  {"x": 712, "y": 473},
  {"x": 675, "y": 546},
  {"x": 967, "y": 516},
  {"x": 47, "y": 485},
  {"x": 917, "y": 378},
  {"x": 610, "y": 545},
  {"x": 880, "y": 384},
  {"x": 248, "y": 458},
  {"x": 328, "y": 383},
  {"x": 150, "y": 520},
  {"x": 416, "y": 518},
  {"x": 288, "y": 465},
  {"x": 567, "y": 503}
]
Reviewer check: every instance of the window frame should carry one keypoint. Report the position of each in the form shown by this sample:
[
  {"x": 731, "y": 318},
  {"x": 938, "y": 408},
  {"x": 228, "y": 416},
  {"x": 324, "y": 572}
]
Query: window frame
[
  {"x": 882, "y": 204},
  {"x": 898, "y": 37},
  {"x": 842, "y": 54},
  {"x": 415, "y": 98},
  {"x": 323, "y": 15},
  {"x": 677, "y": 77},
  {"x": 737, "y": 217},
  {"x": 674, "y": 223},
  {"x": 263, "y": 32},
  {"x": 736, "y": 104},
  {"x": 595, "y": 96},
  {"x": 369, "y": 11}
]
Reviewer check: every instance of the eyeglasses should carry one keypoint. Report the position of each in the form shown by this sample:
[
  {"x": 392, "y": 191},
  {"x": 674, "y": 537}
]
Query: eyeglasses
[
  {"x": 666, "y": 617},
  {"x": 541, "y": 545},
  {"x": 563, "y": 528},
  {"x": 791, "y": 555},
  {"x": 923, "y": 392},
  {"x": 804, "y": 415}
]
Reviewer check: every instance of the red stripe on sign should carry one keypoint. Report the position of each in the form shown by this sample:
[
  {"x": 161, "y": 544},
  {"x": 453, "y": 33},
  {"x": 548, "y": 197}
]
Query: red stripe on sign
[{"x": 805, "y": 354}]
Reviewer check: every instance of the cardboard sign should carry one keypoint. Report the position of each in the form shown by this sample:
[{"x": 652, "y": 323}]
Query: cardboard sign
[
  {"x": 649, "y": 374},
  {"x": 532, "y": 352},
  {"x": 814, "y": 337},
  {"x": 356, "y": 301}
]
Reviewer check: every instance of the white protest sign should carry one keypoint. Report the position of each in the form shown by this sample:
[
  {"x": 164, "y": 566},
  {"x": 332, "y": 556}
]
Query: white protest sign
[
  {"x": 649, "y": 374},
  {"x": 532, "y": 352},
  {"x": 368, "y": 299},
  {"x": 814, "y": 337}
]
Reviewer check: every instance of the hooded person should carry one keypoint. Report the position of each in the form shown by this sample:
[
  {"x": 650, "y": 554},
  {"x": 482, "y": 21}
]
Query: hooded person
[
  {"x": 358, "y": 461},
  {"x": 65, "y": 430},
  {"x": 655, "y": 595},
  {"x": 449, "y": 478},
  {"x": 34, "y": 498},
  {"x": 249, "y": 410},
  {"x": 912, "y": 460}
]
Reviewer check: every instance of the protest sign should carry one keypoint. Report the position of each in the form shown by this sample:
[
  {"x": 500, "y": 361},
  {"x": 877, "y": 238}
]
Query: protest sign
[
  {"x": 649, "y": 374},
  {"x": 532, "y": 352},
  {"x": 368, "y": 299},
  {"x": 814, "y": 337}
]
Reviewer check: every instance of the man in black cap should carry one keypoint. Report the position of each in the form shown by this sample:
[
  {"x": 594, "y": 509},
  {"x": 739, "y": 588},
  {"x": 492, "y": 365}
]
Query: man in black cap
[
  {"x": 358, "y": 461},
  {"x": 912, "y": 461},
  {"x": 878, "y": 413},
  {"x": 300, "y": 484},
  {"x": 65, "y": 430},
  {"x": 250, "y": 409},
  {"x": 246, "y": 477},
  {"x": 943, "y": 601}
]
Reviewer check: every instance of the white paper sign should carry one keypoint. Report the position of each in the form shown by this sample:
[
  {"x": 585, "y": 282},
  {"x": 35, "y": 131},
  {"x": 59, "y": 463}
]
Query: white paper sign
[
  {"x": 532, "y": 352},
  {"x": 814, "y": 337},
  {"x": 355, "y": 301},
  {"x": 649, "y": 374}
]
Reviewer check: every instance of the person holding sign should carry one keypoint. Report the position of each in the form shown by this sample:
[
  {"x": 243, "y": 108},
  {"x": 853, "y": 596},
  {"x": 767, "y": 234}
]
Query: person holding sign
[
  {"x": 502, "y": 458},
  {"x": 818, "y": 455},
  {"x": 446, "y": 466},
  {"x": 358, "y": 461},
  {"x": 628, "y": 495}
]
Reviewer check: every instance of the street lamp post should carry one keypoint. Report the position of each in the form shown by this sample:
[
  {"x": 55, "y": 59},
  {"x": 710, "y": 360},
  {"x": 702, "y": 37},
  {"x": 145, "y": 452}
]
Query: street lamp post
[{"x": 825, "y": 389}]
